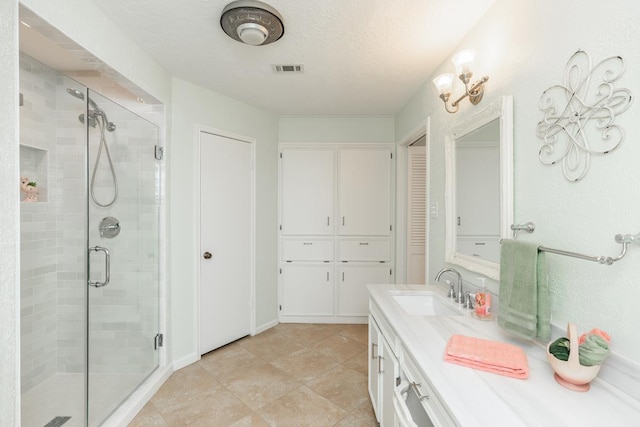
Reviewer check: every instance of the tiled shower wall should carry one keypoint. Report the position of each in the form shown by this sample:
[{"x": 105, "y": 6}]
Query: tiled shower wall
[
  {"x": 38, "y": 256},
  {"x": 53, "y": 290},
  {"x": 123, "y": 315}
]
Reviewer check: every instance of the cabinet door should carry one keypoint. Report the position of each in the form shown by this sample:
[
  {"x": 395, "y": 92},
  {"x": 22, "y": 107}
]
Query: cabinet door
[
  {"x": 390, "y": 371},
  {"x": 374, "y": 365},
  {"x": 353, "y": 297},
  {"x": 306, "y": 191},
  {"x": 364, "y": 188},
  {"x": 307, "y": 290}
]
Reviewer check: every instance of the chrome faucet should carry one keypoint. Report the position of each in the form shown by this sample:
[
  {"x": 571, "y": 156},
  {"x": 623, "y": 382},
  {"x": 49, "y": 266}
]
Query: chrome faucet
[{"x": 460, "y": 298}]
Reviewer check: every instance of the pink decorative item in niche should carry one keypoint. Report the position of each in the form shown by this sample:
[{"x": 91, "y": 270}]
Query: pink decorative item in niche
[
  {"x": 571, "y": 374},
  {"x": 29, "y": 189}
]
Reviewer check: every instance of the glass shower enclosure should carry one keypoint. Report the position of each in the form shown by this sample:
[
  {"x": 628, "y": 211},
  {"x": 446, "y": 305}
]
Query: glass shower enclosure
[{"x": 90, "y": 212}]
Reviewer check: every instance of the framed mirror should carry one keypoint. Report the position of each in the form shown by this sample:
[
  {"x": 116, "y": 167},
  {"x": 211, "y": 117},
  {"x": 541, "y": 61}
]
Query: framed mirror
[{"x": 479, "y": 188}]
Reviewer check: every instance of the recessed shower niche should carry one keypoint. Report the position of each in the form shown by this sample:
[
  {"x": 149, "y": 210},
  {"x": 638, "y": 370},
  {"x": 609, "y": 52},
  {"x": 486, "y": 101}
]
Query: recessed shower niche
[{"x": 34, "y": 168}]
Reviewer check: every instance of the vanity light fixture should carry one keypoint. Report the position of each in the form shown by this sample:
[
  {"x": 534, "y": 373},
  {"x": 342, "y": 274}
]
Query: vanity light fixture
[{"x": 444, "y": 82}]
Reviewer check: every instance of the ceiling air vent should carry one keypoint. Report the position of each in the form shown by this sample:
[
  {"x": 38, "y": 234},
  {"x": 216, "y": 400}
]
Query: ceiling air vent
[{"x": 282, "y": 68}]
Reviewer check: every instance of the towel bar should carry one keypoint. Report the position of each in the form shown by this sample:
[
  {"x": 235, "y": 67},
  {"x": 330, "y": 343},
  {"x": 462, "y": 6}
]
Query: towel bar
[{"x": 624, "y": 240}]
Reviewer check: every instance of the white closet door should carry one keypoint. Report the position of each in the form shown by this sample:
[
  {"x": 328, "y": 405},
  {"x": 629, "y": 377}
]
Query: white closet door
[
  {"x": 353, "y": 295},
  {"x": 225, "y": 228},
  {"x": 307, "y": 289},
  {"x": 364, "y": 187},
  {"x": 306, "y": 192},
  {"x": 416, "y": 214}
]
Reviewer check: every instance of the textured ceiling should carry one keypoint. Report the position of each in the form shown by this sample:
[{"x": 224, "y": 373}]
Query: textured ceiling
[{"x": 360, "y": 57}]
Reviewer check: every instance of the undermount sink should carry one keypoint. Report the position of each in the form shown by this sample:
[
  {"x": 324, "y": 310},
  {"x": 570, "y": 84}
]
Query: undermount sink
[{"x": 425, "y": 303}]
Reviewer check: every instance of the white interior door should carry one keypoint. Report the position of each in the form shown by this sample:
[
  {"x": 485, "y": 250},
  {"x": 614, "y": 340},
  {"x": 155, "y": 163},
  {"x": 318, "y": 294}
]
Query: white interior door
[
  {"x": 416, "y": 213},
  {"x": 225, "y": 240}
]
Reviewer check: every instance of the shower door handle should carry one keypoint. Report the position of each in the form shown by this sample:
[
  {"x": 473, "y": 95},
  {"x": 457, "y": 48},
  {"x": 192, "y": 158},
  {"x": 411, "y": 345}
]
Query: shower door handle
[{"x": 107, "y": 267}]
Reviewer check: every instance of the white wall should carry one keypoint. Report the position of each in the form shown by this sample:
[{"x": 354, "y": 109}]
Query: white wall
[
  {"x": 193, "y": 105},
  {"x": 9, "y": 216},
  {"x": 524, "y": 46},
  {"x": 83, "y": 22},
  {"x": 336, "y": 129}
]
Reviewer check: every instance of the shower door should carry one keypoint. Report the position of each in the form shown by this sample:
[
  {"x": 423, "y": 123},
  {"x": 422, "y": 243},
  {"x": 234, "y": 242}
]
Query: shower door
[{"x": 123, "y": 251}]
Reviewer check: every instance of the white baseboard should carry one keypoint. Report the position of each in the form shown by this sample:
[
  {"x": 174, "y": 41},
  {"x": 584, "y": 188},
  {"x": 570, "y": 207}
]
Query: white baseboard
[
  {"x": 266, "y": 326},
  {"x": 185, "y": 361},
  {"x": 325, "y": 319}
]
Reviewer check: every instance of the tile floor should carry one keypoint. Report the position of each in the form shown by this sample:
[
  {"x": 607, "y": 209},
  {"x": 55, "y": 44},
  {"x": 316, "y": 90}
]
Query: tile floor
[{"x": 290, "y": 375}]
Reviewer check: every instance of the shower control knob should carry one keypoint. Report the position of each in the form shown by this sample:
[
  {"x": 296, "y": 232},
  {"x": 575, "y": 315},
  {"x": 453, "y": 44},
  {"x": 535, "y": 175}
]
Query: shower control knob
[{"x": 207, "y": 255}]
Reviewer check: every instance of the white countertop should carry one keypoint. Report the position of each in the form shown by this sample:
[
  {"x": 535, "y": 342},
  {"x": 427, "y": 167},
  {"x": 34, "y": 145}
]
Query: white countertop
[{"x": 477, "y": 398}]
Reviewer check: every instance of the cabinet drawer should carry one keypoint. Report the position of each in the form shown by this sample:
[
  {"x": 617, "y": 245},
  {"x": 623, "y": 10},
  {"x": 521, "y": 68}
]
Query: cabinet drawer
[
  {"x": 364, "y": 250},
  {"x": 435, "y": 409},
  {"x": 307, "y": 250},
  {"x": 485, "y": 247}
]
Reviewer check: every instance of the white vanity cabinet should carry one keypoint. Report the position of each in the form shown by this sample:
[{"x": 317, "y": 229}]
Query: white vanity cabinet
[
  {"x": 401, "y": 395},
  {"x": 336, "y": 217},
  {"x": 421, "y": 404},
  {"x": 383, "y": 375}
]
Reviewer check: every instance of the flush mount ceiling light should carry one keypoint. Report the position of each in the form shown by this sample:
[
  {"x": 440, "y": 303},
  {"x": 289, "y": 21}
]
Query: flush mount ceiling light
[{"x": 252, "y": 22}]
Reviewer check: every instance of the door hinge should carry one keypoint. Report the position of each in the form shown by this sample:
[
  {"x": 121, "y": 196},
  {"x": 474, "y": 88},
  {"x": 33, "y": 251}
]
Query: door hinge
[
  {"x": 280, "y": 227},
  {"x": 159, "y": 153},
  {"x": 391, "y": 154},
  {"x": 391, "y": 228},
  {"x": 280, "y": 155},
  {"x": 280, "y": 271},
  {"x": 280, "y": 307},
  {"x": 158, "y": 341},
  {"x": 390, "y": 272}
]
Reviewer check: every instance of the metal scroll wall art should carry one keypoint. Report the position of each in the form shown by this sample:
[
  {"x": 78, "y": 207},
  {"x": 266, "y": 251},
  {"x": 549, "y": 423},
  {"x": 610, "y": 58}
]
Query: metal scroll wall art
[{"x": 583, "y": 108}]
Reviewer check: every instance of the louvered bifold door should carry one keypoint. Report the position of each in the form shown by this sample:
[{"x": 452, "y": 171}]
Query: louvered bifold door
[{"x": 416, "y": 215}]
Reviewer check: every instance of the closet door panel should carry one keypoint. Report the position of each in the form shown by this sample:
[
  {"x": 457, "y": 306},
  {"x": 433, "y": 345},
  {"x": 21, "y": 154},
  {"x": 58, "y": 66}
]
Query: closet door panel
[
  {"x": 364, "y": 192},
  {"x": 353, "y": 296},
  {"x": 307, "y": 290},
  {"x": 306, "y": 192}
]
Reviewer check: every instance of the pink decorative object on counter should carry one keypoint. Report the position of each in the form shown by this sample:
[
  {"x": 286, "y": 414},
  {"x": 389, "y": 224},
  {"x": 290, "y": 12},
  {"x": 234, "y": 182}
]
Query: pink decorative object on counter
[
  {"x": 29, "y": 189},
  {"x": 571, "y": 374}
]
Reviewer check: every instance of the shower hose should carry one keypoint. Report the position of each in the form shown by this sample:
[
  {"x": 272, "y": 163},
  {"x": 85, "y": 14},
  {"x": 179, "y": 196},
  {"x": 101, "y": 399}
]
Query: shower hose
[{"x": 103, "y": 145}]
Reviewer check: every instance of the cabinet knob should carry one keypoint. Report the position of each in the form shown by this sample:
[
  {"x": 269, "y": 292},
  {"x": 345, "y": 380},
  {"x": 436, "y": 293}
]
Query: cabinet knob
[{"x": 207, "y": 255}]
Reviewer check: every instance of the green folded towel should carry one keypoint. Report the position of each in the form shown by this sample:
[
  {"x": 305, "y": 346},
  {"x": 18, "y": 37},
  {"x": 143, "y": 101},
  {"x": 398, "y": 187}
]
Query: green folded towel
[
  {"x": 593, "y": 350},
  {"x": 524, "y": 292}
]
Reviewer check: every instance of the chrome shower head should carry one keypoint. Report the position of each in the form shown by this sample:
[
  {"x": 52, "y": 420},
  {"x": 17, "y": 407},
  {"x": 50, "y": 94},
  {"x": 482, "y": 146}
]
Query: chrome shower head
[
  {"x": 97, "y": 111},
  {"x": 75, "y": 92}
]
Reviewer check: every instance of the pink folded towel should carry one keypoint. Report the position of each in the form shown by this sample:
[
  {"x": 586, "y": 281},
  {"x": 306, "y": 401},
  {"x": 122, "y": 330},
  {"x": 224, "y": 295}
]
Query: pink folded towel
[{"x": 491, "y": 356}]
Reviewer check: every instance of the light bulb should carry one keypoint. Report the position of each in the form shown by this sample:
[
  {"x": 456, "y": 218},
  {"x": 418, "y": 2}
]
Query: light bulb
[
  {"x": 252, "y": 34},
  {"x": 443, "y": 83},
  {"x": 463, "y": 61}
]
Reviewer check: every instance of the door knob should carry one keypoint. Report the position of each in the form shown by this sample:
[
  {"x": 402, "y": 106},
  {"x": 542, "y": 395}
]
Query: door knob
[{"x": 207, "y": 255}]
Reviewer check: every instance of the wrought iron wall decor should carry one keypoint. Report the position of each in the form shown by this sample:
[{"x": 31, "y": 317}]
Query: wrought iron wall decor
[{"x": 583, "y": 108}]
